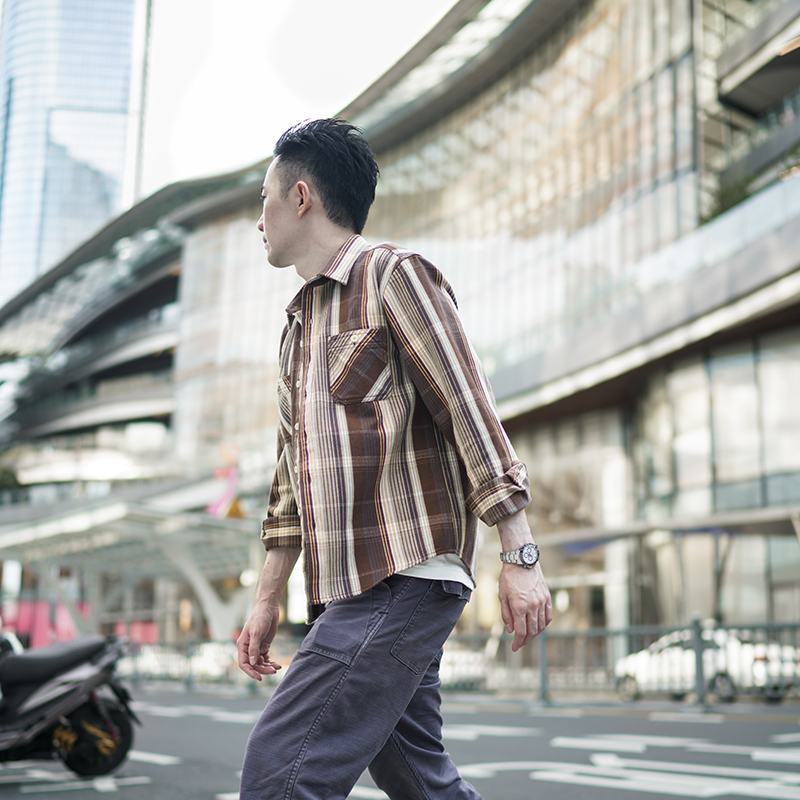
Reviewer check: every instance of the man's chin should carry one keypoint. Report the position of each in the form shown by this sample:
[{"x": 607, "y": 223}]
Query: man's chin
[{"x": 277, "y": 262}]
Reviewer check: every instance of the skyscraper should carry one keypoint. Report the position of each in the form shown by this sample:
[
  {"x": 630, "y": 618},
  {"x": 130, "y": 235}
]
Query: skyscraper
[{"x": 70, "y": 99}]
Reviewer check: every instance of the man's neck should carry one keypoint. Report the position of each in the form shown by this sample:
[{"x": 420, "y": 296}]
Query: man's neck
[{"x": 320, "y": 250}]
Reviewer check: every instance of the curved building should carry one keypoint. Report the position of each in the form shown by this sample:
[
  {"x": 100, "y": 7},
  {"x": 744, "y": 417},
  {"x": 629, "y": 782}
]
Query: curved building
[
  {"x": 69, "y": 126},
  {"x": 612, "y": 188}
]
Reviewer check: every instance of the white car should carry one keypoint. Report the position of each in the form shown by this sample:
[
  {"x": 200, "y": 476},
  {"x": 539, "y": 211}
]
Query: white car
[{"x": 731, "y": 664}]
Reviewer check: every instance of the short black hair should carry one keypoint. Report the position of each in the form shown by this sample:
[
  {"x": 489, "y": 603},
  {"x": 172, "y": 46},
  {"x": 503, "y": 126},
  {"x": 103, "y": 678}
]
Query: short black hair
[{"x": 337, "y": 159}]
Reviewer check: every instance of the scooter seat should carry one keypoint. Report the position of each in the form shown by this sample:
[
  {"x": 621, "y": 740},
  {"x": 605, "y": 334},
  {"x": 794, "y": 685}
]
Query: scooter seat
[{"x": 45, "y": 662}]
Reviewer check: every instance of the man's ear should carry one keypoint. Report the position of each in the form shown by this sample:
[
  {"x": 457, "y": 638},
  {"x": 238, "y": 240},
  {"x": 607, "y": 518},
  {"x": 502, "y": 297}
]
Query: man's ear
[{"x": 303, "y": 198}]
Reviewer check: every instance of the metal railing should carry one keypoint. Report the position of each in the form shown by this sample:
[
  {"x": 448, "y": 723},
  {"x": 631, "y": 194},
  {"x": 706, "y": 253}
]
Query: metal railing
[{"x": 698, "y": 662}]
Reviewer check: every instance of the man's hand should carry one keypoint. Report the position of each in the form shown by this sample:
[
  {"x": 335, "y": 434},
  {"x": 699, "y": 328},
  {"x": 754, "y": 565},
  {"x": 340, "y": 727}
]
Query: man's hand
[
  {"x": 525, "y": 603},
  {"x": 256, "y": 638},
  {"x": 254, "y": 642}
]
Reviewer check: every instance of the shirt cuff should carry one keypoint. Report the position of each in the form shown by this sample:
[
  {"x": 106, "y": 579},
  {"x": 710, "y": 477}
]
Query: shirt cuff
[
  {"x": 501, "y": 497},
  {"x": 281, "y": 531}
]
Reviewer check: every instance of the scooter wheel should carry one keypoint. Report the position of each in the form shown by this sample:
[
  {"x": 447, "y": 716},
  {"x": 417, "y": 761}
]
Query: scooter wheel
[{"x": 95, "y": 751}]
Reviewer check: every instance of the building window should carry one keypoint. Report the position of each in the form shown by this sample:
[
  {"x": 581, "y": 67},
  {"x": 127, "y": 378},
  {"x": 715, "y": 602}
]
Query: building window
[{"x": 718, "y": 432}]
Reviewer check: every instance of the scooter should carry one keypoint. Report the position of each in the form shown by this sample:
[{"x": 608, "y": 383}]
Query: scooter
[{"x": 64, "y": 701}]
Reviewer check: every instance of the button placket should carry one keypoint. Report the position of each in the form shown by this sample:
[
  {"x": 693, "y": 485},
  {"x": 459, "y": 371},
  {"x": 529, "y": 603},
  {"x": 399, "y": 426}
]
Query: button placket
[{"x": 300, "y": 444}]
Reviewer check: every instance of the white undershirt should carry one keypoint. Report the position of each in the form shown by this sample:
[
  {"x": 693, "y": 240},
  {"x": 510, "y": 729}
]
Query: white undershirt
[{"x": 448, "y": 567}]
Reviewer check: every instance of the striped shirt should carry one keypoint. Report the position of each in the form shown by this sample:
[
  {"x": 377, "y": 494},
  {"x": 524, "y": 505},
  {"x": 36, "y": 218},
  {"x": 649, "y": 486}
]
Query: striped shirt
[{"x": 389, "y": 444}]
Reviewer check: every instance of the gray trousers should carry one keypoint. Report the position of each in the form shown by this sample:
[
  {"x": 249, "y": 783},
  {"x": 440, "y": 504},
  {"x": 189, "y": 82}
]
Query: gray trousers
[{"x": 363, "y": 692}]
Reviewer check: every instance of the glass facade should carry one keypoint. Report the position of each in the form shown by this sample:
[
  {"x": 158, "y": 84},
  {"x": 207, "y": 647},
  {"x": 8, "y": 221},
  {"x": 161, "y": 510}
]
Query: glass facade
[
  {"x": 65, "y": 69},
  {"x": 542, "y": 195},
  {"x": 570, "y": 194},
  {"x": 719, "y": 432},
  {"x": 232, "y": 314}
]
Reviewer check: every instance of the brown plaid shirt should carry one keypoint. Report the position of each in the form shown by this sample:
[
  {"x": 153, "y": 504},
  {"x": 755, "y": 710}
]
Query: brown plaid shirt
[{"x": 389, "y": 447}]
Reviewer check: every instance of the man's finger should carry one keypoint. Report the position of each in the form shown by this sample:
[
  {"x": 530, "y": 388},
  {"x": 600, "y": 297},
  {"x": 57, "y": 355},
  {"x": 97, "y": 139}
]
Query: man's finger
[
  {"x": 506, "y": 616},
  {"x": 241, "y": 650},
  {"x": 253, "y": 651},
  {"x": 520, "y": 632}
]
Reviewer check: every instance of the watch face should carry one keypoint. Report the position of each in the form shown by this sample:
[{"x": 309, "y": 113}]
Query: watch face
[{"x": 528, "y": 554}]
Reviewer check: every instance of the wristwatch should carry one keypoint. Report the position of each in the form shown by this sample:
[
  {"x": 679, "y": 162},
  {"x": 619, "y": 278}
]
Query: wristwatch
[{"x": 527, "y": 556}]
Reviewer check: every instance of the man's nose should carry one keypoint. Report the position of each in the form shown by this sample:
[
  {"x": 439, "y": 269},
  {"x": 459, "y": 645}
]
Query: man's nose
[{"x": 261, "y": 223}]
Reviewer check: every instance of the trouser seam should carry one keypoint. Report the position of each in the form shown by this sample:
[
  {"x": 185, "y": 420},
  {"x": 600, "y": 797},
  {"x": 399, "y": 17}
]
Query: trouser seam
[
  {"x": 290, "y": 784},
  {"x": 410, "y": 764},
  {"x": 334, "y": 694}
]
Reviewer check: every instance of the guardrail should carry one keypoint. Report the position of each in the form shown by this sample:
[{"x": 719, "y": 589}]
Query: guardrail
[{"x": 695, "y": 662}]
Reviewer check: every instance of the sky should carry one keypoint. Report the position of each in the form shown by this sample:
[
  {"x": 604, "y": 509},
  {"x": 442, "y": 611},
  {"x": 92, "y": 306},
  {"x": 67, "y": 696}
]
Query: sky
[{"x": 227, "y": 77}]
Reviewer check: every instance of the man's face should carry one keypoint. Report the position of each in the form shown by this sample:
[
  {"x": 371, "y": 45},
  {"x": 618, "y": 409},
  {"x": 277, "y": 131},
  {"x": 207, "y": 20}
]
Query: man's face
[{"x": 278, "y": 220}]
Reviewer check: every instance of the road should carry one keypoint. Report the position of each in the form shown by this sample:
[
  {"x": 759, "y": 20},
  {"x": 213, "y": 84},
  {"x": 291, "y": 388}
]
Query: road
[{"x": 190, "y": 746}]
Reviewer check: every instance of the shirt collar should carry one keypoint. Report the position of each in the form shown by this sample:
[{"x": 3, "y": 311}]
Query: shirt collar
[
  {"x": 341, "y": 265},
  {"x": 337, "y": 269}
]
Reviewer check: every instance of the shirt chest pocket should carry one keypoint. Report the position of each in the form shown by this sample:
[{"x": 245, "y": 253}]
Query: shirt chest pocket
[{"x": 358, "y": 366}]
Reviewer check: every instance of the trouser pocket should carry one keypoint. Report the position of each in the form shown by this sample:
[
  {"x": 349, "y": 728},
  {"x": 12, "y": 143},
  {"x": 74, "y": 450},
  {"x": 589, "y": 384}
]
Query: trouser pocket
[
  {"x": 344, "y": 627},
  {"x": 430, "y": 624}
]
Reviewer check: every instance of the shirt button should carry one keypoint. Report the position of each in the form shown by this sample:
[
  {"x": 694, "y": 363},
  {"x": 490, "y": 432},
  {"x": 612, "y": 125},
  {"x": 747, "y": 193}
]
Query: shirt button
[
  {"x": 297, "y": 426},
  {"x": 297, "y": 384},
  {"x": 354, "y": 339},
  {"x": 297, "y": 470},
  {"x": 301, "y": 343}
]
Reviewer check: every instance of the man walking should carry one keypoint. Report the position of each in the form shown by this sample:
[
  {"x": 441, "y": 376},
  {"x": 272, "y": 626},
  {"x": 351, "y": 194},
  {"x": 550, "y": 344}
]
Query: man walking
[{"x": 389, "y": 451}]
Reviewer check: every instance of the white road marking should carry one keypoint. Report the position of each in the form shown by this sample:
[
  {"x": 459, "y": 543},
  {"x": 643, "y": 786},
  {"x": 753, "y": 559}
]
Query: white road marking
[
  {"x": 613, "y": 760},
  {"x": 614, "y": 773},
  {"x": 655, "y": 785},
  {"x": 683, "y": 716},
  {"x": 557, "y": 712},
  {"x": 785, "y": 738},
  {"x": 686, "y": 785},
  {"x": 776, "y": 755},
  {"x": 154, "y": 758},
  {"x": 367, "y": 793},
  {"x": 653, "y": 741},
  {"x": 175, "y": 712},
  {"x": 243, "y": 717},
  {"x": 33, "y": 774},
  {"x": 101, "y": 785},
  {"x": 491, "y": 770},
  {"x": 214, "y": 713},
  {"x": 470, "y": 733},
  {"x": 578, "y": 743}
]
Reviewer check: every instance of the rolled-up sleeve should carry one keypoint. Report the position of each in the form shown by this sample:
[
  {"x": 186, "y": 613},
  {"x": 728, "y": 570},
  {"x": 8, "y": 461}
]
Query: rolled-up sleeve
[
  {"x": 281, "y": 528},
  {"x": 425, "y": 326}
]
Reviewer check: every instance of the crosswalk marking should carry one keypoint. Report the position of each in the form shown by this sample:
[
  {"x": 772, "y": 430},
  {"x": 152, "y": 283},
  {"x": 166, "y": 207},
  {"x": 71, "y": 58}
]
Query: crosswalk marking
[
  {"x": 613, "y": 760},
  {"x": 31, "y": 774},
  {"x": 685, "y": 716},
  {"x": 153, "y": 758},
  {"x": 785, "y": 738},
  {"x": 213, "y": 713},
  {"x": 610, "y": 772},
  {"x": 470, "y": 733},
  {"x": 598, "y": 743},
  {"x": 358, "y": 793},
  {"x": 774, "y": 754},
  {"x": 652, "y": 741},
  {"x": 102, "y": 785}
]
